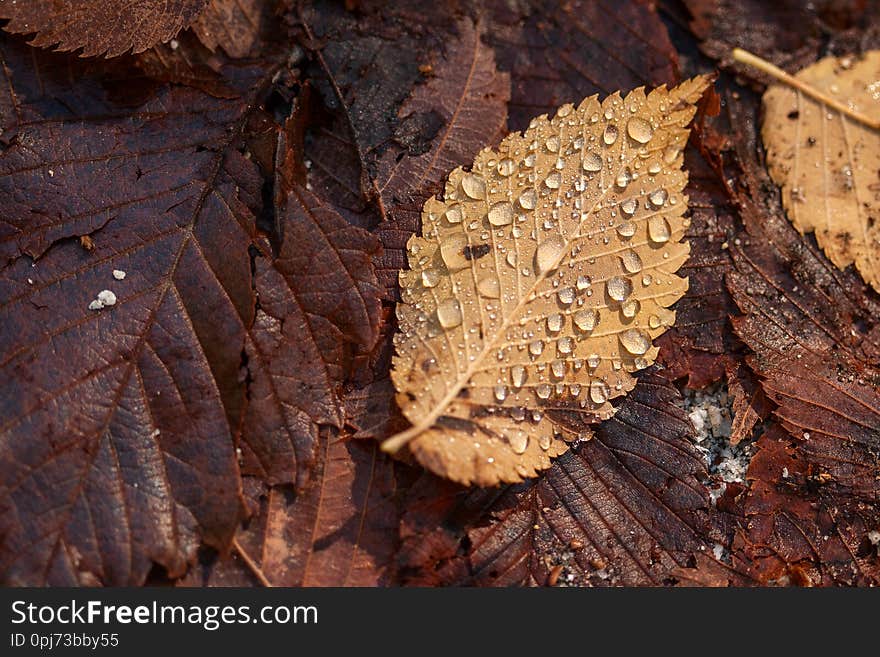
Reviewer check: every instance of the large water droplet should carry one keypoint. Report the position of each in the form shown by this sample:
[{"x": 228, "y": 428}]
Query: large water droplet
[
  {"x": 506, "y": 167},
  {"x": 501, "y": 214},
  {"x": 565, "y": 345},
  {"x": 529, "y": 160},
  {"x": 619, "y": 287},
  {"x": 454, "y": 214},
  {"x": 474, "y": 186},
  {"x": 592, "y": 162},
  {"x": 635, "y": 342},
  {"x": 626, "y": 229},
  {"x": 528, "y": 199},
  {"x": 630, "y": 308},
  {"x": 658, "y": 197},
  {"x": 430, "y": 277},
  {"x": 552, "y": 143},
  {"x": 519, "y": 441},
  {"x": 610, "y": 134},
  {"x": 543, "y": 390},
  {"x": 567, "y": 295},
  {"x": 555, "y": 322},
  {"x": 624, "y": 178},
  {"x": 598, "y": 392},
  {"x": 500, "y": 393},
  {"x": 553, "y": 180},
  {"x": 558, "y": 368},
  {"x": 670, "y": 154},
  {"x": 594, "y": 360},
  {"x": 586, "y": 319},
  {"x": 488, "y": 287},
  {"x": 654, "y": 321},
  {"x": 536, "y": 347},
  {"x": 548, "y": 254},
  {"x": 640, "y": 130},
  {"x": 629, "y": 206},
  {"x": 452, "y": 251},
  {"x": 517, "y": 376},
  {"x": 631, "y": 261},
  {"x": 658, "y": 229},
  {"x": 449, "y": 313},
  {"x": 583, "y": 282}
]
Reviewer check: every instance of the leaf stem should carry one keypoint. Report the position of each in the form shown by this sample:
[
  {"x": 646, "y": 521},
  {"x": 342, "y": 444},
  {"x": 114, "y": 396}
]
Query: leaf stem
[
  {"x": 251, "y": 564},
  {"x": 745, "y": 57}
]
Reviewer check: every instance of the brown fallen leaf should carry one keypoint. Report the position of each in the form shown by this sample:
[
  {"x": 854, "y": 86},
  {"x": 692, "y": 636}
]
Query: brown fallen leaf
[
  {"x": 233, "y": 25},
  {"x": 120, "y": 425},
  {"x": 625, "y": 508},
  {"x": 815, "y": 334},
  {"x": 100, "y": 27},
  {"x": 499, "y": 317},
  {"x": 561, "y": 52},
  {"x": 823, "y": 149},
  {"x": 340, "y": 530}
]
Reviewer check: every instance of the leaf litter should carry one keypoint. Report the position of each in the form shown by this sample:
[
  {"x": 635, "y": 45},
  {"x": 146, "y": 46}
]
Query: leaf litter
[{"x": 794, "y": 520}]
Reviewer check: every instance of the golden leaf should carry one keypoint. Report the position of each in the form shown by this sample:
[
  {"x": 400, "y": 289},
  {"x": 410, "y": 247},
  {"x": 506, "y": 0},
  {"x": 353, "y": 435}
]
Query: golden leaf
[
  {"x": 824, "y": 153},
  {"x": 539, "y": 283}
]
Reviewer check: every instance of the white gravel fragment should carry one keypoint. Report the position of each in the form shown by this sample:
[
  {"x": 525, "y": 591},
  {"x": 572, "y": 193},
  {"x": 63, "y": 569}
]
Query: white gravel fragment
[
  {"x": 105, "y": 298},
  {"x": 118, "y": 274}
]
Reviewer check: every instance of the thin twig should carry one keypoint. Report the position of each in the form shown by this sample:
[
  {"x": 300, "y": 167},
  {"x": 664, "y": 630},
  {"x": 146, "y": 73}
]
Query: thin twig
[
  {"x": 255, "y": 569},
  {"x": 748, "y": 58}
]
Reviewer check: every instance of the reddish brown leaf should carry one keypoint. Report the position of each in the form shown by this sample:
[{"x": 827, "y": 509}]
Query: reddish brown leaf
[
  {"x": 627, "y": 508},
  {"x": 466, "y": 98},
  {"x": 341, "y": 530},
  {"x": 120, "y": 425},
  {"x": 100, "y": 27},
  {"x": 233, "y": 25},
  {"x": 816, "y": 337},
  {"x": 558, "y": 53}
]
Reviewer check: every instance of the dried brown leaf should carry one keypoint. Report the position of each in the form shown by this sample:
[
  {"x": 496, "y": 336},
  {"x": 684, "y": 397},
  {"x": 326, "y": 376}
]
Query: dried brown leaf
[
  {"x": 100, "y": 27},
  {"x": 828, "y": 163},
  {"x": 340, "y": 530},
  {"x": 625, "y": 508},
  {"x": 499, "y": 317},
  {"x": 233, "y": 25},
  {"x": 120, "y": 425}
]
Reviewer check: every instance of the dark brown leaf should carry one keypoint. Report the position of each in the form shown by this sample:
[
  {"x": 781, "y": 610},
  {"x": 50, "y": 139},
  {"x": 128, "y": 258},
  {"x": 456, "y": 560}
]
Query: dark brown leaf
[
  {"x": 816, "y": 336},
  {"x": 233, "y": 25},
  {"x": 341, "y": 530},
  {"x": 100, "y": 27},
  {"x": 120, "y": 425},
  {"x": 626, "y": 508},
  {"x": 560, "y": 52}
]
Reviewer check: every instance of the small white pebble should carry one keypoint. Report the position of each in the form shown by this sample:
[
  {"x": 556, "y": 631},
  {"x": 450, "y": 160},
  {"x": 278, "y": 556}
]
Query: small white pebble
[
  {"x": 30, "y": 281},
  {"x": 174, "y": 43},
  {"x": 107, "y": 298},
  {"x": 118, "y": 274},
  {"x": 785, "y": 473},
  {"x": 51, "y": 173}
]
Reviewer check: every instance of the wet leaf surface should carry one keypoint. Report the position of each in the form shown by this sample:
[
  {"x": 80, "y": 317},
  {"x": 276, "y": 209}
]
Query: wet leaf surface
[{"x": 231, "y": 174}]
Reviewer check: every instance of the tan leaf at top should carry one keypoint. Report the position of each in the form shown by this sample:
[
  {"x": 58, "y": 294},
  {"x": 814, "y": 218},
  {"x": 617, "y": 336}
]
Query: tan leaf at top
[
  {"x": 827, "y": 161},
  {"x": 539, "y": 283}
]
